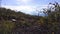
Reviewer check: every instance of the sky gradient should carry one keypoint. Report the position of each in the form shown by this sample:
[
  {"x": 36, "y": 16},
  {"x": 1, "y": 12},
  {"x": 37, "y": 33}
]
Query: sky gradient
[{"x": 27, "y": 6}]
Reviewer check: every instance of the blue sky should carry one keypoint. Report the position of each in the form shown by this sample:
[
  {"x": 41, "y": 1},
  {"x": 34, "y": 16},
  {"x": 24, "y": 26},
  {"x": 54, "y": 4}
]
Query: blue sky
[{"x": 27, "y": 6}]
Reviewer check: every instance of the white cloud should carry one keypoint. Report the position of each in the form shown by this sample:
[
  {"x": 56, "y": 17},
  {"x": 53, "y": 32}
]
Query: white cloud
[{"x": 26, "y": 8}]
